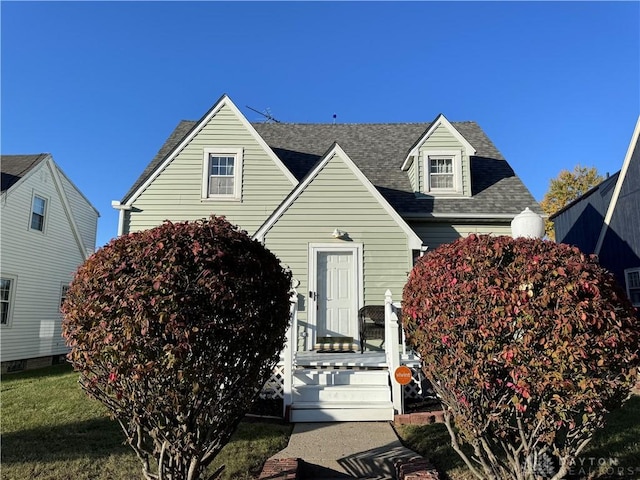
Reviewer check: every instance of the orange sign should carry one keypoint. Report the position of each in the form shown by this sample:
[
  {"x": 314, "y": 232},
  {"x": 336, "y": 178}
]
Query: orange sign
[{"x": 403, "y": 375}]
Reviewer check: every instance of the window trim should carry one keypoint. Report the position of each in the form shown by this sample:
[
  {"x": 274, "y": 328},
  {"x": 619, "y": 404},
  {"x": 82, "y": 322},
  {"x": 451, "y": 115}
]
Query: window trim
[
  {"x": 32, "y": 212},
  {"x": 456, "y": 158},
  {"x": 627, "y": 271},
  {"x": 12, "y": 298},
  {"x": 237, "y": 178},
  {"x": 64, "y": 288}
]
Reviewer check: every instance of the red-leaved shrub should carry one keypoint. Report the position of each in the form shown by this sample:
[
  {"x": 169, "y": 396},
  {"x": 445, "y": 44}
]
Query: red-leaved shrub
[
  {"x": 175, "y": 329},
  {"x": 528, "y": 344}
]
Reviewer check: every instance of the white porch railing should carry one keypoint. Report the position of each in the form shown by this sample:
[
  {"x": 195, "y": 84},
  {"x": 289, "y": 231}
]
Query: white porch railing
[
  {"x": 392, "y": 349},
  {"x": 288, "y": 354}
]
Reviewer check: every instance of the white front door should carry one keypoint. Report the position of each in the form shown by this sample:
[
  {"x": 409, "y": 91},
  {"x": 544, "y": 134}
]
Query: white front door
[{"x": 336, "y": 294}]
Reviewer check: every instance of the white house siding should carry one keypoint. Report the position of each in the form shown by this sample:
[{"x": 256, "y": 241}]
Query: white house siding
[
  {"x": 41, "y": 263},
  {"x": 337, "y": 199},
  {"x": 85, "y": 216},
  {"x": 443, "y": 139},
  {"x": 434, "y": 234},
  {"x": 176, "y": 193}
]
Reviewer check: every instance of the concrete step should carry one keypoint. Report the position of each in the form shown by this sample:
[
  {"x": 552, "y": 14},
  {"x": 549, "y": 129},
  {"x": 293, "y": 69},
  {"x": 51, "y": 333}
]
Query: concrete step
[
  {"x": 340, "y": 377},
  {"x": 341, "y": 393},
  {"x": 341, "y": 412}
]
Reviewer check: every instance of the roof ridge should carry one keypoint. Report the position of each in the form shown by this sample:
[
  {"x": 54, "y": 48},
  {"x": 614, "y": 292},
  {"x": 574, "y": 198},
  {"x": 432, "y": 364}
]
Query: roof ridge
[{"x": 354, "y": 124}]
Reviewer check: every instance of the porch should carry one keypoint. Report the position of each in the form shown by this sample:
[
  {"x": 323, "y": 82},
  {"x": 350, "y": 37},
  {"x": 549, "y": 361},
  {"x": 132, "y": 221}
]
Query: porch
[{"x": 346, "y": 385}]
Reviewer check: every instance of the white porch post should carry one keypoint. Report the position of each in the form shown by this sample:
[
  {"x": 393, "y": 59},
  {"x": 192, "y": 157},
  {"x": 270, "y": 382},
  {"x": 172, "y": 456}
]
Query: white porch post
[
  {"x": 391, "y": 347},
  {"x": 288, "y": 353}
]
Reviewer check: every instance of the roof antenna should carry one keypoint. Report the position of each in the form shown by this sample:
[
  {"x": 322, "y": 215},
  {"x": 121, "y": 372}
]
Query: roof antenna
[
  {"x": 334, "y": 118},
  {"x": 266, "y": 114}
]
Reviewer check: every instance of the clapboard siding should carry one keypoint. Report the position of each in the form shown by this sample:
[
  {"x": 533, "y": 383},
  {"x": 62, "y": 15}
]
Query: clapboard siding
[
  {"x": 85, "y": 216},
  {"x": 176, "y": 193},
  {"x": 621, "y": 244},
  {"x": 41, "y": 263},
  {"x": 336, "y": 198},
  {"x": 434, "y": 234},
  {"x": 413, "y": 175}
]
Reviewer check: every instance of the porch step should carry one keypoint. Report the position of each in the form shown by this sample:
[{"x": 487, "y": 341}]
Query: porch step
[
  {"x": 340, "y": 377},
  {"x": 341, "y": 393},
  {"x": 341, "y": 412},
  {"x": 341, "y": 396}
]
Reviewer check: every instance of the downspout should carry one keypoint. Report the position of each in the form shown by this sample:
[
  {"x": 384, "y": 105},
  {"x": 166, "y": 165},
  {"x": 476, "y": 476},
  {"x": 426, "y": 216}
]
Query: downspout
[{"x": 121, "y": 209}]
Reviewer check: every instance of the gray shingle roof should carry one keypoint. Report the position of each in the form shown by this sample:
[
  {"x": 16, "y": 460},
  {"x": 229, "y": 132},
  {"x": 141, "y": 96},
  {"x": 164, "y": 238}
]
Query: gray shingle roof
[
  {"x": 14, "y": 167},
  {"x": 379, "y": 150}
]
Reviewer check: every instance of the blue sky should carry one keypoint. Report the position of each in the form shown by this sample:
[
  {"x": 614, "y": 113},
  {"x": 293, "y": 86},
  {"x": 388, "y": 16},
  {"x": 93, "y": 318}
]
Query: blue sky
[{"x": 101, "y": 85}]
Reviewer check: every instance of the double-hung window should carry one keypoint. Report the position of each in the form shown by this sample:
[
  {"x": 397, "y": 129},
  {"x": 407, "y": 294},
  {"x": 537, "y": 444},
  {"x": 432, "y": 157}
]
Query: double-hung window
[
  {"x": 222, "y": 174},
  {"x": 443, "y": 173},
  {"x": 440, "y": 173},
  {"x": 7, "y": 287},
  {"x": 38, "y": 213},
  {"x": 632, "y": 277}
]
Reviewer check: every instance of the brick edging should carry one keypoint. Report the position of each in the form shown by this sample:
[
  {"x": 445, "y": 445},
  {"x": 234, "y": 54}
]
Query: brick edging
[
  {"x": 280, "y": 469},
  {"x": 417, "y": 469},
  {"x": 419, "y": 418}
]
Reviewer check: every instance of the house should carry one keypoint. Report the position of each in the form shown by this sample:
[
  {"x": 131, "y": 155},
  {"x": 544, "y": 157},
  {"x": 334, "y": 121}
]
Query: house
[
  {"x": 606, "y": 221},
  {"x": 48, "y": 230},
  {"x": 347, "y": 207}
]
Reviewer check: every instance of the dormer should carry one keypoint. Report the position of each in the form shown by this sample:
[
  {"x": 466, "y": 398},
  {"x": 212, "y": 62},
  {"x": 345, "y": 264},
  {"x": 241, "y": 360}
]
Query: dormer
[{"x": 439, "y": 163}]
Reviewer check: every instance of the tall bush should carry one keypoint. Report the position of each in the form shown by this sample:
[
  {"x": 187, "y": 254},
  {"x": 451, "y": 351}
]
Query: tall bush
[
  {"x": 528, "y": 344},
  {"x": 175, "y": 329}
]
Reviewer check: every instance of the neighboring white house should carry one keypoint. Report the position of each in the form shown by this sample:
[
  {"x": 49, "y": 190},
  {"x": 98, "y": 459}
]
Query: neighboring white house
[{"x": 48, "y": 228}]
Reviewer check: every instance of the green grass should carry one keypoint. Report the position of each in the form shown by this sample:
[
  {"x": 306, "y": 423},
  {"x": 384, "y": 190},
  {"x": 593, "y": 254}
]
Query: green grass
[
  {"x": 616, "y": 447},
  {"x": 52, "y": 430}
]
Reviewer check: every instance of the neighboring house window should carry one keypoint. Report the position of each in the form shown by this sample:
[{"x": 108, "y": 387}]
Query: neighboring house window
[
  {"x": 632, "y": 277},
  {"x": 443, "y": 172},
  {"x": 222, "y": 174},
  {"x": 38, "y": 212},
  {"x": 63, "y": 294},
  {"x": 7, "y": 286}
]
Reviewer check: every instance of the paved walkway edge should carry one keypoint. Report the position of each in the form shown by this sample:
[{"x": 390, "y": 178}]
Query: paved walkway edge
[{"x": 287, "y": 469}]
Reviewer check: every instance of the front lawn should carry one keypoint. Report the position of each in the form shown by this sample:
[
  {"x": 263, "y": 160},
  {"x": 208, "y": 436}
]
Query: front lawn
[
  {"x": 614, "y": 451},
  {"x": 52, "y": 430}
]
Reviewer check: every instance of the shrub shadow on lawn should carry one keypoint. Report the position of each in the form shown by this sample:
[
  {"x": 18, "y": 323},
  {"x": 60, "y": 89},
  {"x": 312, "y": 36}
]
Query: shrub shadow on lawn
[
  {"x": 99, "y": 437},
  {"x": 618, "y": 444}
]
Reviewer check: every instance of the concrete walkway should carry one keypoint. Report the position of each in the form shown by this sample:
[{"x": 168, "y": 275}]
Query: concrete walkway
[{"x": 346, "y": 450}]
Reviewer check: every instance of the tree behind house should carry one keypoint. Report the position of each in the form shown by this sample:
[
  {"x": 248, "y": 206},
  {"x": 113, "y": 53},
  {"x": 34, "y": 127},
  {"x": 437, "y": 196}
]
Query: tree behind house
[{"x": 565, "y": 188}]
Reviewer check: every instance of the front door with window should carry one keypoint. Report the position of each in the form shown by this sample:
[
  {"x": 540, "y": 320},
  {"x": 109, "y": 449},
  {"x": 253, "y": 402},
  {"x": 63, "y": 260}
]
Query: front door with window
[{"x": 336, "y": 294}]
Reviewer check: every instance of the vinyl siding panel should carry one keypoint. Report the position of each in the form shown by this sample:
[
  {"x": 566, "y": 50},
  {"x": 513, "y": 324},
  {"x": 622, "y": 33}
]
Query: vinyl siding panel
[
  {"x": 621, "y": 246},
  {"x": 413, "y": 175},
  {"x": 581, "y": 223},
  {"x": 176, "y": 193},
  {"x": 41, "y": 262},
  {"x": 337, "y": 199},
  {"x": 85, "y": 216},
  {"x": 434, "y": 234},
  {"x": 442, "y": 139}
]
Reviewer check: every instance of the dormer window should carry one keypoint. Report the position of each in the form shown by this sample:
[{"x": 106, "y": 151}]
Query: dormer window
[
  {"x": 222, "y": 174},
  {"x": 440, "y": 173},
  {"x": 443, "y": 173}
]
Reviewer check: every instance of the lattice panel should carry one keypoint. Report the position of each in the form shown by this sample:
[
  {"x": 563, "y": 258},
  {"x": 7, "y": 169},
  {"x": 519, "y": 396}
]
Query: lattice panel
[
  {"x": 274, "y": 387},
  {"x": 419, "y": 386}
]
